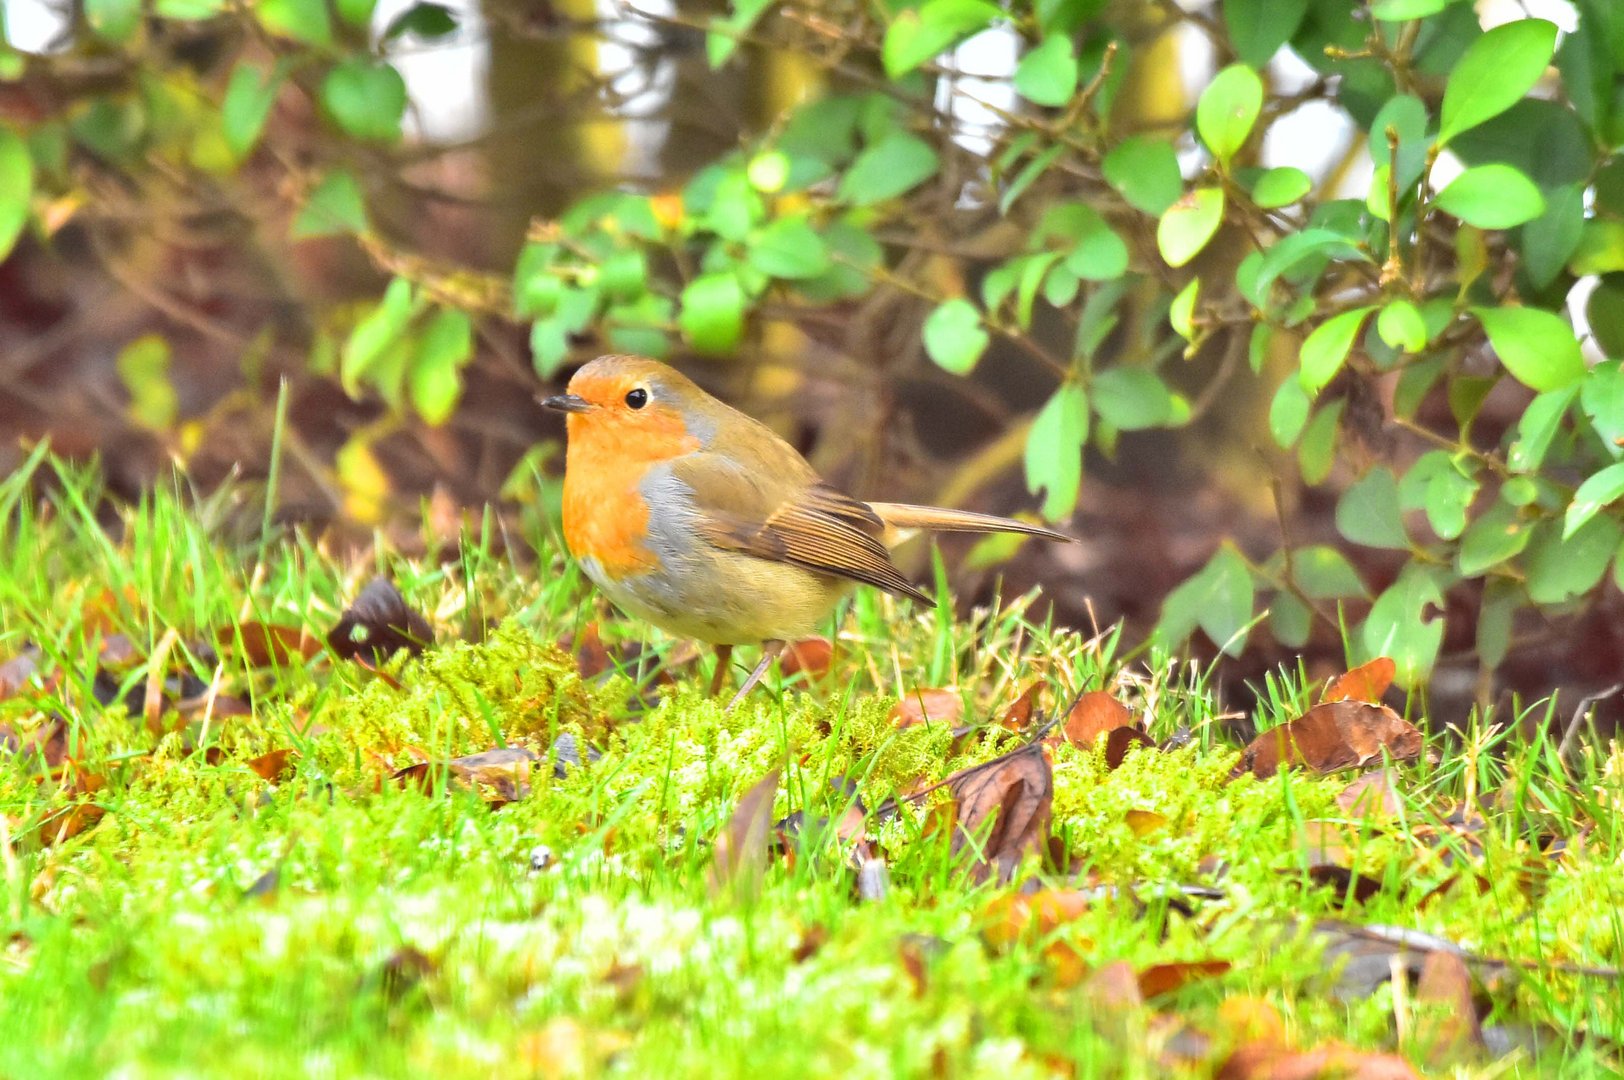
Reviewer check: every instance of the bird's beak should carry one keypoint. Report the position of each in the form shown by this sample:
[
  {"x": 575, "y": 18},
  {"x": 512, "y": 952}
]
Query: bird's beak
[{"x": 567, "y": 403}]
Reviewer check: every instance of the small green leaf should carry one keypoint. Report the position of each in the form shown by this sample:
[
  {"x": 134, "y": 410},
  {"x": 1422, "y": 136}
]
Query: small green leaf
[
  {"x": 1443, "y": 487},
  {"x": 1145, "y": 171},
  {"x": 1491, "y": 197},
  {"x": 1218, "y": 599},
  {"x": 1550, "y": 240},
  {"x": 1403, "y": 625},
  {"x": 425, "y": 20},
  {"x": 1288, "y": 412},
  {"x": 1495, "y": 616},
  {"x": 725, "y": 33},
  {"x": 1498, "y": 534},
  {"x": 1561, "y": 568},
  {"x": 1602, "y": 398},
  {"x": 1599, "y": 490},
  {"x": 188, "y": 10},
  {"x": 1281, "y": 186},
  {"x": 433, "y": 381},
  {"x": 365, "y": 98},
  {"x": 370, "y": 342},
  {"x": 890, "y": 167},
  {"x": 1188, "y": 224},
  {"x": 1132, "y": 398},
  {"x": 16, "y": 188},
  {"x": 712, "y": 316},
  {"x": 306, "y": 21},
  {"x": 1047, "y": 75},
  {"x": 1098, "y": 253},
  {"x": 1297, "y": 250},
  {"x": 357, "y": 13},
  {"x": 1228, "y": 109},
  {"x": 1494, "y": 73},
  {"x": 1054, "y": 450},
  {"x": 249, "y": 96},
  {"x": 549, "y": 346},
  {"x": 1290, "y": 620},
  {"x": 1536, "y": 346},
  {"x": 789, "y": 248},
  {"x": 1405, "y": 10},
  {"x": 335, "y": 207},
  {"x": 1369, "y": 513},
  {"x": 1257, "y": 28},
  {"x": 1324, "y": 573},
  {"x": 623, "y": 276},
  {"x": 916, "y": 36},
  {"x": 954, "y": 336},
  {"x": 1181, "y": 313},
  {"x": 143, "y": 368},
  {"x": 1538, "y": 426},
  {"x": 1400, "y": 325},
  {"x": 1317, "y": 453},
  {"x": 1326, "y": 349},
  {"x": 114, "y": 21}
]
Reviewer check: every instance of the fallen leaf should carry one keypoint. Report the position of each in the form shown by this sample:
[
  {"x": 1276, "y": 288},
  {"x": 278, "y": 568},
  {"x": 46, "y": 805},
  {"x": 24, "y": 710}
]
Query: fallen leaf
[
  {"x": 268, "y": 645},
  {"x": 1019, "y": 715},
  {"x": 1144, "y": 821},
  {"x": 276, "y": 765},
  {"x": 811, "y": 656},
  {"x": 501, "y": 775},
  {"x": 1333, "y": 736},
  {"x": 1095, "y": 714},
  {"x": 1447, "y": 1027},
  {"x": 1112, "y": 990},
  {"x": 1015, "y": 794},
  {"x": 378, "y": 624},
  {"x": 591, "y": 658},
  {"x": 928, "y": 706},
  {"x": 1367, "y": 682},
  {"x": 1120, "y": 741},
  {"x": 917, "y": 952},
  {"x": 1269, "y": 1060},
  {"x": 740, "y": 859},
  {"x": 812, "y": 939},
  {"x": 1009, "y": 917},
  {"x": 1374, "y": 796},
  {"x": 1345, "y": 882},
  {"x": 1159, "y": 979},
  {"x": 17, "y": 672}
]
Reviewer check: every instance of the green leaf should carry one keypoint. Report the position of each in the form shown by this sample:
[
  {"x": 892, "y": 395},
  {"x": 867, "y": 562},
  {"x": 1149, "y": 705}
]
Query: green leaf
[
  {"x": 723, "y": 37},
  {"x": 1400, "y": 325},
  {"x": 1498, "y": 534},
  {"x": 1288, "y": 412},
  {"x": 1602, "y": 398},
  {"x": 916, "y": 36},
  {"x": 1097, "y": 252},
  {"x": 1290, "y": 620},
  {"x": 1494, "y": 73},
  {"x": 1599, "y": 490},
  {"x": 1561, "y": 568},
  {"x": 1324, "y": 573},
  {"x": 1047, "y": 75},
  {"x": 890, "y": 167},
  {"x": 249, "y": 96},
  {"x": 1299, "y": 249},
  {"x": 712, "y": 316},
  {"x": 1538, "y": 426},
  {"x": 1491, "y": 197},
  {"x": 1369, "y": 513},
  {"x": 16, "y": 188},
  {"x": 433, "y": 381},
  {"x": 1145, "y": 172},
  {"x": 335, "y": 207},
  {"x": 425, "y": 20},
  {"x": 297, "y": 20},
  {"x": 1257, "y": 28},
  {"x": 1227, "y": 110},
  {"x": 1402, "y": 625},
  {"x": 188, "y": 10},
  {"x": 1317, "y": 453},
  {"x": 623, "y": 276},
  {"x": 1054, "y": 450},
  {"x": 365, "y": 98},
  {"x": 357, "y": 13},
  {"x": 549, "y": 346},
  {"x": 1281, "y": 186},
  {"x": 1536, "y": 346},
  {"x": 1405, "y": 117},
  {"x": 954, "y": 336},
  {"x": 1218, "y": 599},
  {"x": 370, "y": 342},
  {"x": 1437, "y": 484},
  {"x": 1028, "y": 175},
  {"x": 1495, "y": 616},
  {"x": 1188, "y": 224},
  {"x": 1404, "y": 10},
  {"x": 143, "y": 368},
  {"x": 114, "y": 21},
  {"x": 1132, "y": 398},
  {"x": 789, "y": 248},
  {"x": 1326, "y": 349},
  {"x": 1181, "y": 312}
]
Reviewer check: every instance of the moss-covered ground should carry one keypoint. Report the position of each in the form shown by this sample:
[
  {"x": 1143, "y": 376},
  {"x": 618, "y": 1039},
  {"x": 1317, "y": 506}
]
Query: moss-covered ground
[{"x": 167, "y": 910}]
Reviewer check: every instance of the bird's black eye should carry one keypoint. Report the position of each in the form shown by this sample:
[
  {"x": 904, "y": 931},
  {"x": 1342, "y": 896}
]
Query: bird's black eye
[{"x": 637, "y": 398}]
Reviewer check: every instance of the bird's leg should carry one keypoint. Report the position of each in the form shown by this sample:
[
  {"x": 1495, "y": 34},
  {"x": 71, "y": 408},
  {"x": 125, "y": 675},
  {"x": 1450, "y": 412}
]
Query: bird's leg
[
  {"x": 724, "y": 657},
  {"x": 769, "y": 653}
]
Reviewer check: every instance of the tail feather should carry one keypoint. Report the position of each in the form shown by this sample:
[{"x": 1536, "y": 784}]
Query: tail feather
[{"x": 941, "y": 519}]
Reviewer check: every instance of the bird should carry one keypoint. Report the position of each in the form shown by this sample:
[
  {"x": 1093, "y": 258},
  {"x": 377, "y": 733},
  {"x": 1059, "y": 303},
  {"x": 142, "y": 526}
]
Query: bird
[{"x": 699, "y": 519}]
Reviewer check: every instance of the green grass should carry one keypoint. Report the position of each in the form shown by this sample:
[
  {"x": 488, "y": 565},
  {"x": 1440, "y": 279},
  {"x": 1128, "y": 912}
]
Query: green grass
[{"x": 339, "y": 923}]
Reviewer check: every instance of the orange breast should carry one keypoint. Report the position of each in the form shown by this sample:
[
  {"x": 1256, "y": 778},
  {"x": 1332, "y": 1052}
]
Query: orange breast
[{"x": 605, "y": 515}]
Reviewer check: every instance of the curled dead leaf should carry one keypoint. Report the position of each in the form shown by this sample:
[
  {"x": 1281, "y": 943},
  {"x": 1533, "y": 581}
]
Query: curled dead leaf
[
  {"x": 1159, "y": 979},
  {"x": 1095, "y": 715},
  {"x": 268, "y": 645},
  {"x": 1003, "y": 808},
  {"x": 1367, "y": 682},
  {"x": 1336, "y": 735},
  {"x": 1019, "y": 715},
  {"x": 810, "y": 656},
  {"x": 928, "y": 706},
  {"x": 740, "y": 858},
  {"x": 378, "y": 624}
]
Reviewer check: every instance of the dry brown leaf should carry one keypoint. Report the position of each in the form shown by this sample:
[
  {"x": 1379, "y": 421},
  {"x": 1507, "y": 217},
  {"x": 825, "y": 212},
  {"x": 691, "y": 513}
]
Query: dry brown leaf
[
  {"x": 812, "y": 656},
  {"x": 1011, "y": 916},
  {"x": 276, "y": 765},
  {"x": 740, "y": 858},
  {"x": 1159, "y": 979},
  {"x": 1446, "y": 1027},
  {"x": 1367, "y": 682},
  {"x": 378, "y": 624},
  {"x": 928, "y": 706},
  {"x": 501, "y": 775},
  {"x": 268, "y": 645},
  {"x": 1122, "y": 740},
  {"x": 1270, "y": 1060},
  {"x": 1333, "y": 736},
  {"x": 1095, "y": 714},
  {"x": 591, "y": 658},
  {"x": 1144, "y": 821},
  {"x": 1113, "y": 988},
  {"x": 1373, "y": 796},
  {"x": 1019, "y": 715},
  {"x": 1015, "y": 795}
]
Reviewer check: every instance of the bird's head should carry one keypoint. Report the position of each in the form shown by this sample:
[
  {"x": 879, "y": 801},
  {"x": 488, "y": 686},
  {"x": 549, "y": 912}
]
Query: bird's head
[{"x": 640, "y": 407}]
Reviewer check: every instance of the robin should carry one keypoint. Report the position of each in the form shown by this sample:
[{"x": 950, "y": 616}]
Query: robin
[{"x": 695, "y": 517}]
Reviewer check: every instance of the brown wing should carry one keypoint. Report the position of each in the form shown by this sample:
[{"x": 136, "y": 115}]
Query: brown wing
[{"x": 822, "y": 530}]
